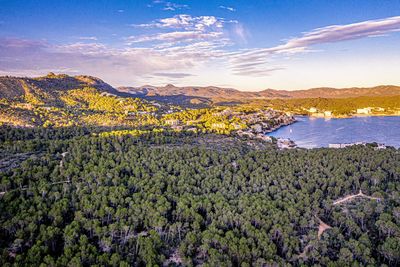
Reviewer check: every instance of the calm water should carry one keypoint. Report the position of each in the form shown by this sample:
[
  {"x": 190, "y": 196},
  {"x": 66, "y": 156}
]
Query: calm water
[{"x": 320, "y": 132}]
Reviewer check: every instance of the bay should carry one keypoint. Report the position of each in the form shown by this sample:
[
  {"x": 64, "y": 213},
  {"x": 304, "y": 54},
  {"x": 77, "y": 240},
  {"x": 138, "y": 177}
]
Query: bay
[{"x": 310, "y": 132}]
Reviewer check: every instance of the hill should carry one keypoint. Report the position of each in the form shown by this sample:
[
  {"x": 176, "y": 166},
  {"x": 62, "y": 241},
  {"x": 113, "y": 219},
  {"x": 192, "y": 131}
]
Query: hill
[
  {"x": 214, "y": 94},
  {"x": 62, "y": 100},
  {"x": 327, "y": 92},
  {"x": 47, "y": 89}
]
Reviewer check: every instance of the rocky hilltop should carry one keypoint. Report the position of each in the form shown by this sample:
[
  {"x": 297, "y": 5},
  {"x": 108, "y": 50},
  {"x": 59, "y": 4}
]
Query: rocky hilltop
[
  {"x": 47, "y": 89},
  {"x": 62, "y": 100}
]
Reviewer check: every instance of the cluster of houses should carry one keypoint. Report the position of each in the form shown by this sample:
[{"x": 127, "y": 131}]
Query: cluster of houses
[
  {"x": 317, "y": 113},
  {"x": 369, "y": 110},
  {"x": 179, "y": 126},
  {"x": 264, "y": 121},
  {"x": 253, "y": 124},
  {"x": 361, "y": 111}
]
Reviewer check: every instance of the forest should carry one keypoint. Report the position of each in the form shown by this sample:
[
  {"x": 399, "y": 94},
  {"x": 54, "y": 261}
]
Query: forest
[
  {"x": 79, "y": 196},
  {"x": 338, "y": 106}
]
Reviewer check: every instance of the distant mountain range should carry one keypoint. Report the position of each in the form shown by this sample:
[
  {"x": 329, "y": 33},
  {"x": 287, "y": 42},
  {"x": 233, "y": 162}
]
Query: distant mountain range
[
  {"x": 48, "y": 89},
  {"x": 213, "y": 93}
]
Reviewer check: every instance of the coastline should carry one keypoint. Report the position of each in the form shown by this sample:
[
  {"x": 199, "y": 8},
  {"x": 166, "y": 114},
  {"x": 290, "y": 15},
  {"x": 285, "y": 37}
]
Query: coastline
[
  {"x": 365, "y": 129},
  {"x": 291, "y": 121},
  {"x": 348, "y": 116}
]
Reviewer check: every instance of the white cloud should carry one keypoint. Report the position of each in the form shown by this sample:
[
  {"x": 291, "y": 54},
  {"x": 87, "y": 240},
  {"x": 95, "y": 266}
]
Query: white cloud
[
  {"x": 91, "y": 38},
  {"x": 181, "y": 28},
  {"x": 174, "y": 75},
  {"x": 175, "y": 37},
  {"x": 228, "y": 8},
  {"x": 184, "y": 21},
  {"x": 329, "y": 34},
  {"x": 167, "y": 5},
  {"x": 172, "y": 6},
  {"x": 194, "y": 43},
  {"x": 116, "y": 65}
]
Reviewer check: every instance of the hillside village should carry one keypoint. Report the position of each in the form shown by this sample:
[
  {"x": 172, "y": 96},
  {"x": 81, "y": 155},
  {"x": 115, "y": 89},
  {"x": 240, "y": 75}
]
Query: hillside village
[
  {"x": 65, "y": 101},
  {"x": 253, "y": 123},
  {"x": 314, "y": 112}
]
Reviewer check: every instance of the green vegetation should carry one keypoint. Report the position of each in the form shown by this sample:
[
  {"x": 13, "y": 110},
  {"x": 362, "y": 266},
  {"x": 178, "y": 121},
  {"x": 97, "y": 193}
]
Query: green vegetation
[
  {"x": 86, "y": 106},
  {"x": 224, "y": 120},
  {"x": 91, "y": 99},
  {"x": 91, "y": 196},
  {"x": 338, "y": 106},
  {"x": 206, "y": 120}
]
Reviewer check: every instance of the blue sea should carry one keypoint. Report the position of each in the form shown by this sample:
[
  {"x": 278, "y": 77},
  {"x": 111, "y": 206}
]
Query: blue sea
[{"x": 310, "y": 132}]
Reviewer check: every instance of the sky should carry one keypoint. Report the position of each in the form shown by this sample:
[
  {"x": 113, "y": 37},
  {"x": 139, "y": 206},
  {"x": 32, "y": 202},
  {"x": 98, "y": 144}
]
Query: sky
[{"x": 242, "y": 44}]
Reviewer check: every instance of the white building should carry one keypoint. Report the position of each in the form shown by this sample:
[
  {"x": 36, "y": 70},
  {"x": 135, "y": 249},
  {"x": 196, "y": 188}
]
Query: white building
[
  {"x": 313, "y": 110},
  {"x": 172, "y": 122},
  {"x": 364, "y": 110},
  {"x": 344, "y": 145}
]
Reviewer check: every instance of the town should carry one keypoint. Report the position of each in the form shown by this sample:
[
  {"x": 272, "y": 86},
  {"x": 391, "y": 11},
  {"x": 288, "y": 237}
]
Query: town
[{"x": 249, "y": 122}]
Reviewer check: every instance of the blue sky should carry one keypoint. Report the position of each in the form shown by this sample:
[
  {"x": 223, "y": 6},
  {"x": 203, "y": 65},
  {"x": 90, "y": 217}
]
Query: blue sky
[{"x": 249, "y": 45}]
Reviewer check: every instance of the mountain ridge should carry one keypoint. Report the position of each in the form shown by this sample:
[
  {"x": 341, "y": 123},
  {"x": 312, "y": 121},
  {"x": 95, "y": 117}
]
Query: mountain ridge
[
  {"x": 50, "y": 86},
  {"x": 231, "y": 93}
]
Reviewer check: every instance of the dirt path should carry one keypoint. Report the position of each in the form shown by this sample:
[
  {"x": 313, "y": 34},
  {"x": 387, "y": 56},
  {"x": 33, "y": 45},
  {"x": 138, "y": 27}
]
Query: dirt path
[
  {"x": 322, "y": 227},
  {"x": 305, "y": 251},
  {"x": 347, "y": 198}
]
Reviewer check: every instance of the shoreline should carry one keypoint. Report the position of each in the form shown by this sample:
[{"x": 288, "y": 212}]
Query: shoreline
[
  {"x": 350, "y": 116},
  {"x": 287, "y": 133}
]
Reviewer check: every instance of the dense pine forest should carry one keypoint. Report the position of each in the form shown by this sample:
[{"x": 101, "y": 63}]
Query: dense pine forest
[{"x": 76, "y": 197}]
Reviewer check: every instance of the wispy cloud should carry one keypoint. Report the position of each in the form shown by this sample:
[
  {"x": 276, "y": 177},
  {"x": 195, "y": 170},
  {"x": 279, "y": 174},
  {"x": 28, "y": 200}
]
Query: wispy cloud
[
  {"x": 181, "y": 28},
  {"x": 254, "y": 72},
  {"x": 167, "y": 5},
  {"x": 175, "y": 37},
  {"x": 174, "y": 6},
  {"x": 228, "y": 8},
  {"x": 329, "y": 34},
  {"x": 180, "y": 44},
  {"x": 175, "y": 75},
  {"x": 240, "y": 32},
  {"x": 184, "y": 21},
  {"x": 90, "y": 38},
  {"x": 116, "y": 65}
]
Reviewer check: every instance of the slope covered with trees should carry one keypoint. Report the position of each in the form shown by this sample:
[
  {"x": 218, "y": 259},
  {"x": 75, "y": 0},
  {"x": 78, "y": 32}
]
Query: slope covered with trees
[
  {"x": 62, "y": 100},
  {"x": 339, "y": 106},
  {"x": 80, "y": 198}
]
